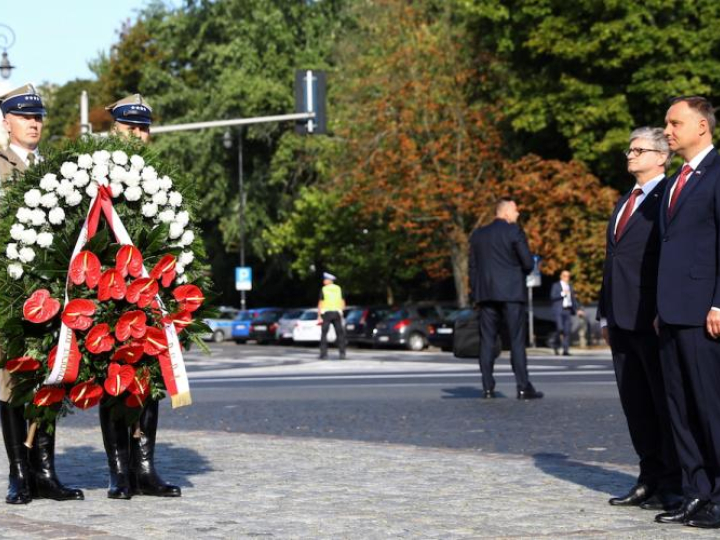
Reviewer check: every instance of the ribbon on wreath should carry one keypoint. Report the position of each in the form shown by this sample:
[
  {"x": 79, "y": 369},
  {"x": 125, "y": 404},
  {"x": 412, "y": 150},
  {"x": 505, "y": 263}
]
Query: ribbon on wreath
[{"x": 172, "y": 364}]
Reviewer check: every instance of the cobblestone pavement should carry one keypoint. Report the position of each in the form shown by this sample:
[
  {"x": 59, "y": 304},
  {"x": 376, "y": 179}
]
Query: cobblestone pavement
[{"x": 250, "y": 486}]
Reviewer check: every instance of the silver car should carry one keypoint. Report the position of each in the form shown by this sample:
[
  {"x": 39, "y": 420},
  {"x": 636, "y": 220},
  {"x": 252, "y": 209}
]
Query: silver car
[
  {"x": 221, "y": 325},
  {"x": 286, "y": 324}
]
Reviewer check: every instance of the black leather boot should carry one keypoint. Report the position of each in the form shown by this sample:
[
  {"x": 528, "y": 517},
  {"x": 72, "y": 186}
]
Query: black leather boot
[
  {"x": 145, "y": 478},
  {"x": 116, "y": 442},
  {"x": 14, "y": 430},
  {"x": 45, "y": 483}
]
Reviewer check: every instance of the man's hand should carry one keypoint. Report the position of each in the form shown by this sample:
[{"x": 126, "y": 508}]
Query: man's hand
[
  {"x": 712, "y": 323},
  {"x": 605, "y": 335},
  {"x": 580, "y": 313},
  {"x": 656, "y": 324}
]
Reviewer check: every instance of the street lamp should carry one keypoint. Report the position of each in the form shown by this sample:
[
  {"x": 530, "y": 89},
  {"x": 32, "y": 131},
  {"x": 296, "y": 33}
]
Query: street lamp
[
  {"x": 228, "y": 143},
  {"x": 7, "y": 40}
]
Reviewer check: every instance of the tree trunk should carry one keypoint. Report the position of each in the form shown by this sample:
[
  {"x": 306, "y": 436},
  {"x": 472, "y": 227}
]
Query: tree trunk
[
  {"x": 389, "y": 295},
  {"x": 459, "y": 262}
]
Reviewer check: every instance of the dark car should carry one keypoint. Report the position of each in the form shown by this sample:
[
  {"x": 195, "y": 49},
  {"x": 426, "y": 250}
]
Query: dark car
[
  {"x": 441, "y": 334},
  {"x": 264, "y": 326},
  {"x": 407, "y": 326},
  {"x": 360, "y": 323}
]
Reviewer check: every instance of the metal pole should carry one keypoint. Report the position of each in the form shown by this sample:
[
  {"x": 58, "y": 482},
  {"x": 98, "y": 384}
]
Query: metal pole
[
  {"x": 229, "y": 123},
  {"x": 241, "y": 187},
  {"x": 531, "y": 322},
  {"x": 85, "y": 126}
]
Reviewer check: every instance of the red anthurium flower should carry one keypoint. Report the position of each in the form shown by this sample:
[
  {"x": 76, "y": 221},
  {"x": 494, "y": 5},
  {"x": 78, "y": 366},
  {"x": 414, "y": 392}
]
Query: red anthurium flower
[
  {"x": 40, "y": 307},
  {"x": 142, "y": 291},
  {"x": 135, "y": 401},
  {"x": 165, "y": 270},
  {"x": 86, "y": 395},
  {"x": 22, "y": 364},
  {"x": 132, "y": 323},
  {"x": 118, "y": 378},
  {"x": 181, "y": 319},
  {"x": 140, "y": 384},
  {"x": 190, "y": 297},
  {"x": 130, "y": 353},
  {"x": 78, "y": 314},
  {"x": 48, "y": 395},
  {"x": 74, "y": 352},
  {"x": 99, "y": 339},
  {"x": 155, "y": 341},
  {"x": 112, "y": 285},
  {"x": 85, "y": 268},
  {"x": 129, "y": 261}
]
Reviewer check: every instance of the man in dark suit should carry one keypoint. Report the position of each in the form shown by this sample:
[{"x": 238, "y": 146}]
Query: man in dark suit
[
  {"x": 499, "y": 261},
  {"x": 564, "y": 306},
  {"x": 627, "y": 311},
  {"x": 688, "y": 303}
]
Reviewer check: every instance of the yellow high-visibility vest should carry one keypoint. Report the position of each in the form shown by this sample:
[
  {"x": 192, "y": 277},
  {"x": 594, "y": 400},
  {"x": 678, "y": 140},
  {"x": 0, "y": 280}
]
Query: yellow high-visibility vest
[{"x": 332, "y": 299}]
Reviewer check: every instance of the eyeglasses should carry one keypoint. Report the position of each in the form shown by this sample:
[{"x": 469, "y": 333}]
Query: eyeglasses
[{"x": 638, "y": 151}]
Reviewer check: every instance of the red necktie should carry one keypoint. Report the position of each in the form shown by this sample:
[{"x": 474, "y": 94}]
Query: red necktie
[
  {"x": 686, "y": 171},
  {"x": 627, "y": 212}
]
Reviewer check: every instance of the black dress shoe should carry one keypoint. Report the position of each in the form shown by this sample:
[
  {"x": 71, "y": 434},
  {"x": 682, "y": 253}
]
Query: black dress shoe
[
  {"x": 663, "y": 500},
  {"x": 687, "y": 511},
  {"x": 566, "y": 353},
  {"x": 707, "y": 518},
  {"x": 637, "y": 495},
  {"x": 529, "y": 393},
  {"x": 489, "y": 394}
]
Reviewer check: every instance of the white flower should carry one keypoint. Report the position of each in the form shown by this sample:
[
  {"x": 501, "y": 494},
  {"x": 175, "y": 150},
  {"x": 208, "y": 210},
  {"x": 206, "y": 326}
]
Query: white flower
[
  {"x": 38, "y": 217},
  {"x": 91, "y": 189},
  {"x": 23, "y": 214},
  {"x": 149, "y": 174},
  {"x": 49, "y": 182},
  {"x": 85, "y": 161},
  {"x": 181, "y": 279},
  {"x": 15, "y": 270},
  {"x": 120, "y": 157},
  {"x": 186, "y": 257},
  {"x": 166, "y": 183},
  {"x": 11, "y": 251},
  {"x": 32, "y": 197},
  {"x": 188, "y": 238},
  {"x": 65, "y": 188},
  {"x": 74, "y": 198},
  {"x": 68, "y": 169},
  {"x": 166, "y": 216},
  {"x": 149, "y": 209},
  {"x": 16, "y": 231},
  {"x": 151, "y": 186},
  {"x": 56, "y": 216},
  {"x": 101, "y": 157},
  {"x": 175, "y": 198},
  {"x": 44, "y": 239},
  {"x": 49, "y": 200},
  {"x": 81, "y": 178},
  {"x": 179, "y": 269},
  {"x": 132, "y": 178},
  {"x": 133, "y": 193},
  {"x": 28, "y": 237},
  {"x": 160, "y": 198},
  {"x": 116, "y": 189},
  {"x": 137, "y": 162},
  {"x": 176, "y": 230},
  {"x": 117, "y": 174},
  {"x": 26, "y": 254},
  {"x": 183, "y": 218},
  {"x": 99, "y": 172}
]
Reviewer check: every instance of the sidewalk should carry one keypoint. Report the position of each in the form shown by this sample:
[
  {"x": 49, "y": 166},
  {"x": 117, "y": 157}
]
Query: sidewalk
[{"x": 248, "y": 486}]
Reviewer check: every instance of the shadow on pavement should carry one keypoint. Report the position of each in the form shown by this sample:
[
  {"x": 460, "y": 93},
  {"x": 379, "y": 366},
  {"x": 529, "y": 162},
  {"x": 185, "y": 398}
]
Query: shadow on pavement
[
  {"x": 466, "y": 392},
  {"x": 590, "y": 476},
  {"x": 86, "y": 467}
]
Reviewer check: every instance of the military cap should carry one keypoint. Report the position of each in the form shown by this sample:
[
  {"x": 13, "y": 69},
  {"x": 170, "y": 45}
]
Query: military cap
[
  {"x": 328, "y": 275},
  {"x": 24, "y": 100},
  {"x": 131, "y": 110}
]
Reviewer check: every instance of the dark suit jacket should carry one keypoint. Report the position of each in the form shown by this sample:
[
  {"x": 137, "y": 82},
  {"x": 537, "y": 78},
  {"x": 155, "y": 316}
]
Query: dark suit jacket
[
  {"x": 629, "y": 287},
  {"x": 499, "y": 261},
  {"x": 688, "y": 274},
  {"x": 557, "y": 299}
]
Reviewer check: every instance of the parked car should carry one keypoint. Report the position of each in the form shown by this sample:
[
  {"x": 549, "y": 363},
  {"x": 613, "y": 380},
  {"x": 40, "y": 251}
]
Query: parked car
[
  {"x": 221, "y": 326},
  {"x": 241, "y": 326},
  {"x": 264, "y": 326},
  {"x": 308, "y": 328},
  {"x": 407, "y": 326},
  {"x": 441, "y": 333},
  {"x": 286, "y": 324},
  {"x": 360, "y": 323}
]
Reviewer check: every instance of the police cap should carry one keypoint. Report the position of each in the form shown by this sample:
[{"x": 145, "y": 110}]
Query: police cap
[
  {"x": 131, "y": 110},
  {"x": 24, "y": 101}
]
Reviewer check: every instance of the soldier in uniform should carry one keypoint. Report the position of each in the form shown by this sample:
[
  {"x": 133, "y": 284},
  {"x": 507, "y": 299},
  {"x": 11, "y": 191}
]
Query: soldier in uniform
[
  {"x": 131, "y": 452},
  {"x": 32, "y": 473},
  {"x": 330, "y": 311}
]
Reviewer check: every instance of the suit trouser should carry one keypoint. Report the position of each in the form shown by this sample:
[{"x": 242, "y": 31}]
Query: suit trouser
[
  {"x": 636, "y": 358},
  {"x": 334, "y": 318},
  {"x": 489, "y": 315},
  {"x": 691, "y": 369},
  {"x": 563, "y": 325}
]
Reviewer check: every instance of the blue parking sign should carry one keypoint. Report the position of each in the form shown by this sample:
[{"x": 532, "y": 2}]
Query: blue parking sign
[{"x": 243, "y": 278}]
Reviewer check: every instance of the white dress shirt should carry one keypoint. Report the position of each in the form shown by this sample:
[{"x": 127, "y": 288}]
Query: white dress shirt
[{"x": 24, "y": 152}]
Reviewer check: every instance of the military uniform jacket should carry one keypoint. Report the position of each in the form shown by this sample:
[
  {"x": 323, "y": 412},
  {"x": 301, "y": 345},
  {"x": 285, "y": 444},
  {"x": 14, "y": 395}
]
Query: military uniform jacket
[{"x": 10, "y": 163}]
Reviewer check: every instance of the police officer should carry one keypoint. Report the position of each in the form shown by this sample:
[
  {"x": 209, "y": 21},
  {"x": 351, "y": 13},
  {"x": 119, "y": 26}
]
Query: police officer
[
  {"x": 32, "y": 473},
  {"x": 131, "y": 451},
  {"x": 330, "y": 311}
]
